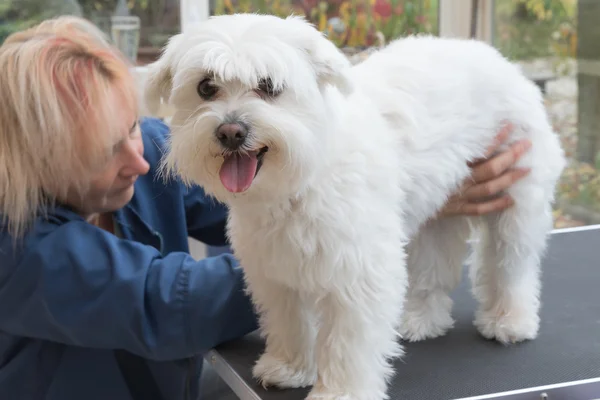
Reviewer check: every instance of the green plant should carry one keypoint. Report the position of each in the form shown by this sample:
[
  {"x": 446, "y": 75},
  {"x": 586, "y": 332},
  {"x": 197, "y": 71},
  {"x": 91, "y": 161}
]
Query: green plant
[
  {"x": 528, "y": 29},
  {"x": 580, "y": 184},
  {"x": 349, "y": 23}
]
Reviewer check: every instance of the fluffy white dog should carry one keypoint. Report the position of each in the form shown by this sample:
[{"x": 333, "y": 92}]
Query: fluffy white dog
[{"x": 333, "y": 173}]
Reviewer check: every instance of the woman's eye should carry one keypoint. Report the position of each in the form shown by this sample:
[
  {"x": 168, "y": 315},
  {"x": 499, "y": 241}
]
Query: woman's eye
[
  {"x": 206, "y": 89},
  {"x": 266, "y": 87},
  {"x": 134, "y": 129}
]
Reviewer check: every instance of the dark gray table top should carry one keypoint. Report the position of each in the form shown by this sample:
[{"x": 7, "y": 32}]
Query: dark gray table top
[{"x": 462, "y": 363}]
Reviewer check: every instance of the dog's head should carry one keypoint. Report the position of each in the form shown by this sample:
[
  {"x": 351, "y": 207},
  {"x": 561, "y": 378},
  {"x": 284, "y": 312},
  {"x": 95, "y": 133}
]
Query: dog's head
[{"x": 253, "y": 97}]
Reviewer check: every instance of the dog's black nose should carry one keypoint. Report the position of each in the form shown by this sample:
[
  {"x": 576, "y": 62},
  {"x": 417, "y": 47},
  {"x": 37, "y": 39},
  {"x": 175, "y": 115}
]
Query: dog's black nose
[{"x": 231, "y": 135}]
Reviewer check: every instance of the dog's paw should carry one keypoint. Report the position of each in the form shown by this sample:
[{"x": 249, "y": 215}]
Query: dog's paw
[
  {"x": 507, "y": 327},
  {"x": 270, "y": 371},
  {"x": 418, "y": 326}
]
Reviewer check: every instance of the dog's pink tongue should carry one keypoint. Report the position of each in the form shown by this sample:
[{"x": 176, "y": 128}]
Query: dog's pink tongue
[{"x": 237, "y": 171}]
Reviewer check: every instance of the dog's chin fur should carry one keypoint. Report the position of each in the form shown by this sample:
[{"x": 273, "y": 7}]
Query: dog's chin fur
[{"x": 336, "y": 233}]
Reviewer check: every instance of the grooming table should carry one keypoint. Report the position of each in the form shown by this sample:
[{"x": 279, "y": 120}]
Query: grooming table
[{"x": 563, "y": 363}]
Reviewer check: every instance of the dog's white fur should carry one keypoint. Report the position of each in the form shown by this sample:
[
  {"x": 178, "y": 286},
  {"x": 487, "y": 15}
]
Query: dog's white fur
[{"x": 336, "y": 233}]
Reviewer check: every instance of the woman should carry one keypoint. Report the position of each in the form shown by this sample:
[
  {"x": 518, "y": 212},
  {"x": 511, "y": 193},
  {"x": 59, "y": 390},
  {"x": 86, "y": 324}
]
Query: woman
[{"x": 99, "y": 298}]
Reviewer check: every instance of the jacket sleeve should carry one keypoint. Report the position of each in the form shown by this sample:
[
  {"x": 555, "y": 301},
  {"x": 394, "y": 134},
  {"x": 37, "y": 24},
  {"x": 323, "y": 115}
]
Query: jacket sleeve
[
  {"x": 120, "y": 294},
  {"x": 206, "y": 218}
]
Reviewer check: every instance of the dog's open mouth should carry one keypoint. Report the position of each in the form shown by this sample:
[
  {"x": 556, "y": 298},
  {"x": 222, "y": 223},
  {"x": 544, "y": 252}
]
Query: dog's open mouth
[{"x": 240, "y": 168}]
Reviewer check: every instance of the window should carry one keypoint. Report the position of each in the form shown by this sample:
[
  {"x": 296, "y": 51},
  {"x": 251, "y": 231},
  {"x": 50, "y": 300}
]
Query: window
[
  {"x": 351, "y": 24},
  {"x": 158, "y": 19},
  {"x": 554, "y": 41}
]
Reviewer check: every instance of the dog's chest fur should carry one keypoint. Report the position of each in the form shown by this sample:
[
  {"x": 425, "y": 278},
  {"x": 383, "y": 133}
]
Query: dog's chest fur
[{"x": 308, "y": 242}]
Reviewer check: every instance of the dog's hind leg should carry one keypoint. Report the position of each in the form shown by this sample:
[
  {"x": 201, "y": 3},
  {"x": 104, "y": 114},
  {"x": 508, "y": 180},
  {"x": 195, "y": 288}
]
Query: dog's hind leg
[
  {"x": 505, "y": 274},
  {"x": 288, "y": 324},
  {"x": 435, "y": 259}
]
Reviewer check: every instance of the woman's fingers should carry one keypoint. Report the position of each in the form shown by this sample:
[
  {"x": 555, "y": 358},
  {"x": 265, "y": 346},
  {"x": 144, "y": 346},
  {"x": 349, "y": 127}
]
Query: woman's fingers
[
  {"x": 483, "y": 192},
  {"x": 487, "y": 207},
  {"x": 496, "y": 166},
  {"x": 494, "y": 186},
  {"x": 499, "y": 140}
]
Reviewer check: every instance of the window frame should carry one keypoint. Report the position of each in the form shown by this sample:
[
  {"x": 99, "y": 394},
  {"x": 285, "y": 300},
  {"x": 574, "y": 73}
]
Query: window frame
[{"x": 193, "y": 12}]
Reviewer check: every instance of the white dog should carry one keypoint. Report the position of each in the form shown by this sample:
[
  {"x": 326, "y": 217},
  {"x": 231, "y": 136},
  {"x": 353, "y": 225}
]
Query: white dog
[{"x": 333, "y": 173}]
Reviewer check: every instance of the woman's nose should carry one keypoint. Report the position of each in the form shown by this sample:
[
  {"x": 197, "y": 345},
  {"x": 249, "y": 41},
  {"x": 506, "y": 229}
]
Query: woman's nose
[{"x": 136, "y": 163}]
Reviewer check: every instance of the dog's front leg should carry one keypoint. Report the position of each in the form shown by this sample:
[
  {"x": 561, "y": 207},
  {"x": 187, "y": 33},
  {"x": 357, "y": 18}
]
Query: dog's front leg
[
  {"x": 358, "y": 338},
  {"x": 288, "y": 326}
]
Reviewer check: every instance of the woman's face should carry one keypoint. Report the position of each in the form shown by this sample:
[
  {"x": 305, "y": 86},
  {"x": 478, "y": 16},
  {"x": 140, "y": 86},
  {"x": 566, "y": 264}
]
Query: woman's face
[{"x": 113, "y": 187}]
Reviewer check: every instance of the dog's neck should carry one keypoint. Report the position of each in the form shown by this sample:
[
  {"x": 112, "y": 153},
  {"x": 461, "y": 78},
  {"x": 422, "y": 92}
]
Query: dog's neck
[{"x": 268, "y": 204}]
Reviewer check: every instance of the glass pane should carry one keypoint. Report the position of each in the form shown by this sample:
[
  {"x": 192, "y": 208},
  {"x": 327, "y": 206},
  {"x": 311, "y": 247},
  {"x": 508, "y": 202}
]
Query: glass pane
[
  {"x": 555, "y": 41},
  {"x": 158, "y": 20},
  {"x": 348, "y": 23}
]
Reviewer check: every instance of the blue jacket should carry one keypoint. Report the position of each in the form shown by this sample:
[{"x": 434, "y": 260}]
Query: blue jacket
[{"x": 71, "y": 293}]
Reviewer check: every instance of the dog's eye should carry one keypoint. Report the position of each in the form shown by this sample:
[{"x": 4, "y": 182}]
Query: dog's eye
[
  {"x": 266, "y": 88},
  {"x": 206, "y": 89}
]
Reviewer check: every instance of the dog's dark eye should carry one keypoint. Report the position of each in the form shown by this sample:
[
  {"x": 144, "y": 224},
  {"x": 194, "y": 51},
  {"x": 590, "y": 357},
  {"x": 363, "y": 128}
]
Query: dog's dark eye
[
  {"x": 206, "y": 89},
  {"x": 266, "y": 88}
]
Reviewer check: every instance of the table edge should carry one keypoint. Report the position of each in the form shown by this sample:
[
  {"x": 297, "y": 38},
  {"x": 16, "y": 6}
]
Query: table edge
[
  {"x": 237, "y": 384},
  {"x": 575, "y": 229},
  {"x": 498, "y": 395}
]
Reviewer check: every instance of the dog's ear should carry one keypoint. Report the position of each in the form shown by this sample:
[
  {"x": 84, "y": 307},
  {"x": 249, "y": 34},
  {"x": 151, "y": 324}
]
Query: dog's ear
[
  {"x": 331, "y": 65},
  {"x": 157, "y": 87},
  {"x": 159, "y": 78}
]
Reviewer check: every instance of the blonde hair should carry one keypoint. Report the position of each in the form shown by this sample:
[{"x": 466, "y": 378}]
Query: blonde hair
[{"x": 57, "y": 113}]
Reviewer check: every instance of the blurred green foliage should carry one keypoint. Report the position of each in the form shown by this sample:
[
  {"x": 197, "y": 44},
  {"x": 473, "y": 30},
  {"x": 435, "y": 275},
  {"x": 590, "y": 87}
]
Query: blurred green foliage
[
  {"x": 523, "y": 29},
  {"x": 528, "y": 29},
  {"x": 350, "y": 23}
]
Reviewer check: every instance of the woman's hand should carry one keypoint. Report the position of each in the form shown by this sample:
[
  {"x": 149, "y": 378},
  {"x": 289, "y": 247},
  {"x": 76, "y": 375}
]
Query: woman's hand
[{"x": 481, "y": 193}]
